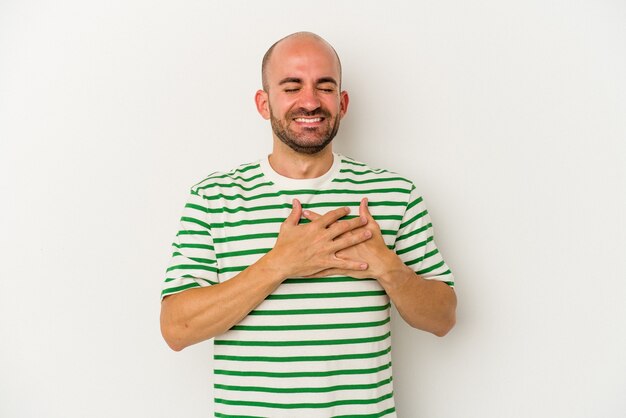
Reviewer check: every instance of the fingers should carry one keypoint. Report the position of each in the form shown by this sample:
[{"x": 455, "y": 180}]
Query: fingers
[
  {"x": 332, "y": 271},
  {"x": 296, "y": 213},
  {"x": 310, "y": 215},
  {"x": 336, "y": 228},
  {"x": 356, "y": 274},
  {"x": 352, "y": 239},
  {"x": 348, "y": 265},
  {"x": 346, "y": 227},
  {"x": 363, "y": 213},
  {"x": 333, "y": 216}
]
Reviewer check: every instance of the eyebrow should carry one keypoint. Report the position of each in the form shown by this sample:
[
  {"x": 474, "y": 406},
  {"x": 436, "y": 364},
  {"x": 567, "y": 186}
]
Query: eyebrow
[
  {"x": 327, "y": 80},
  {"x": 287, "y": 80},
  {"x": 290, "y": 80}
]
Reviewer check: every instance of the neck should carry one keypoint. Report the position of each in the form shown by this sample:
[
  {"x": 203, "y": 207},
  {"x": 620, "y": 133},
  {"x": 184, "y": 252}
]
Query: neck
[{"x": 295, "y": 165}]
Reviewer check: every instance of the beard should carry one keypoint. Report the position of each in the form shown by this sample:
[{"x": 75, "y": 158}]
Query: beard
[{"x": 312, "y": 140}]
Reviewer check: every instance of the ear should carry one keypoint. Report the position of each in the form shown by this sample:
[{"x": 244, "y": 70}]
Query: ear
[
  {"x": 261, "y": 99},
  {"x": 344, "y": 99}
]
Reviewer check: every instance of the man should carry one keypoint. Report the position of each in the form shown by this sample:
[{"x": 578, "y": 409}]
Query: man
[{"x": 290, "y": 262}]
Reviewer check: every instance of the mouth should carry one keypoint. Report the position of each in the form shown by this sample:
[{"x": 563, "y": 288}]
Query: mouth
[{"x": 309, "y": 121}]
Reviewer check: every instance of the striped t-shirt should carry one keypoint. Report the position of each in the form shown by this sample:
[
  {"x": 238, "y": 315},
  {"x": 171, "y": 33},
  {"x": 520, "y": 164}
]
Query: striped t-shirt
[{"x": 316, "y": 347}]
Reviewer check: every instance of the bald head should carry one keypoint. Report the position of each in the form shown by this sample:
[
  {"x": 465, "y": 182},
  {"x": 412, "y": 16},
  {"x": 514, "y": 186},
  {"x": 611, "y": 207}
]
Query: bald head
[{"x": 292, "y": 41}]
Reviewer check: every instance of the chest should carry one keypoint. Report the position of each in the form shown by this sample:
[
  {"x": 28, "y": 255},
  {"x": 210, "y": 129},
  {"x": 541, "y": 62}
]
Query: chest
[{"x": 246, "y": 228}]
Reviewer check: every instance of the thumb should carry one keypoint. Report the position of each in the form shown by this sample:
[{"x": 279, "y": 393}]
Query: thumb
[
  {"x": 296, "y": 213},
  {"x": 364, "y": 211}
]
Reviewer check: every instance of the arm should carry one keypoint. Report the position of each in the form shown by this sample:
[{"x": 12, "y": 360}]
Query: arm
[
  {"x": 199, "y": 314},
  {"x": 202, "y": 313},
  {"x": 428, "y": 305}
]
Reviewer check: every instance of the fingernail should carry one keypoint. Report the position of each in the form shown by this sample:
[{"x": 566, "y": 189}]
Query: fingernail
[
  {"x": 363, "y": 266},
  {"x": 306, "y": 213},
  {"x": 363, "y": 220},
  {"x": 347, "y": 209}
]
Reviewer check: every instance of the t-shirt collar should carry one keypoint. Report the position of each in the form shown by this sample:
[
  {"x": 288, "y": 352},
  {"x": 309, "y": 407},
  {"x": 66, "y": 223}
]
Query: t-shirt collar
[{"x": 286, "y": 183}]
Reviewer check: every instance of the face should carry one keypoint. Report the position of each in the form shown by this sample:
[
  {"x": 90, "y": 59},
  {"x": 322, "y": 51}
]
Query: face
[{"x": 304, "y": 102}]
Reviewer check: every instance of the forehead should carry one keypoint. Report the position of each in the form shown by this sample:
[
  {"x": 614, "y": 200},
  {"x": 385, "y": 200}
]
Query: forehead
[{"x": 302, "y": 58}]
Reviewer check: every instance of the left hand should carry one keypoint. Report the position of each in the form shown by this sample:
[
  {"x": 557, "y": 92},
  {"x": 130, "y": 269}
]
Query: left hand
[{"x": 373, "y": 251}]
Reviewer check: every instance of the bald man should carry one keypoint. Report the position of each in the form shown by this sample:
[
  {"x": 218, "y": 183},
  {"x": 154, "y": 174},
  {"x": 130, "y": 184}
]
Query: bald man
[{"x": 291, "y": 263}]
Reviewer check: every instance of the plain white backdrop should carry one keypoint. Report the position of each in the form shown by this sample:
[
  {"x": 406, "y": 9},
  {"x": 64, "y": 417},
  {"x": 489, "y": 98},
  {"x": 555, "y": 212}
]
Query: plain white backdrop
[{"x": 508, "y": 115}]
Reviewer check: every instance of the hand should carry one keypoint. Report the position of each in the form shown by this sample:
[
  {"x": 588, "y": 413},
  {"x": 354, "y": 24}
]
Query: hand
[
  {"x": 374, "y": 251},
  {"x": 307, "y": 249}
]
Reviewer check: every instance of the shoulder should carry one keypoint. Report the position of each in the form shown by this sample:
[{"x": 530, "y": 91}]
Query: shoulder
[
  {"x": 239, "y": 177},
  {"x": 358, "y": 172}
]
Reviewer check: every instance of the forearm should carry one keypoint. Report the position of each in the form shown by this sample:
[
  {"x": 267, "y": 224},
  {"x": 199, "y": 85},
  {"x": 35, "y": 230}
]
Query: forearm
[
  {"x": 199, "y": 314},
  {"x": 429, "y": 305}
]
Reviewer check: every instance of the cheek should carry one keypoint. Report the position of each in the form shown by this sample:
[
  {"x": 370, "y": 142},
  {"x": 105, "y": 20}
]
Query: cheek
[{"x": 333, "y": 106}]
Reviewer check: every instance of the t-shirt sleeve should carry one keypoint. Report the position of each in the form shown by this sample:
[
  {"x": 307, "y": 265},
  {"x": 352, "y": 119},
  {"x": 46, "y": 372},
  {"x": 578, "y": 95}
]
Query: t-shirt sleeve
[
  {"x": 193, "y": 263},
  {"x": 415, "y": 243}
]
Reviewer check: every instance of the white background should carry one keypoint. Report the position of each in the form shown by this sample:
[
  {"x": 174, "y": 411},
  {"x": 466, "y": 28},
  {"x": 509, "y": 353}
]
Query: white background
[{"x": 508, "y": 115}]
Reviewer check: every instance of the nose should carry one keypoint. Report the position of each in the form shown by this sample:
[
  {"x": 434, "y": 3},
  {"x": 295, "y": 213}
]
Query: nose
[{"x": 309, "y": 99}]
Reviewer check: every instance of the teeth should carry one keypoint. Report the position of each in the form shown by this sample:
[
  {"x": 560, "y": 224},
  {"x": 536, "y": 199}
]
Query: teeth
[{"x": 305, "y": 120}]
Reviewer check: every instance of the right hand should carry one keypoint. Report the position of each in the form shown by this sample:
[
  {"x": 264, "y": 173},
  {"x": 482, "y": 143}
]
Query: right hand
[{"x": 307, "y": 249}]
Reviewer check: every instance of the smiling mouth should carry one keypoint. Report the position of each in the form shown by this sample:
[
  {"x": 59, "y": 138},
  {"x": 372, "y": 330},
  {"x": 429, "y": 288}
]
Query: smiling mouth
[{"x": 309, "y": 121}]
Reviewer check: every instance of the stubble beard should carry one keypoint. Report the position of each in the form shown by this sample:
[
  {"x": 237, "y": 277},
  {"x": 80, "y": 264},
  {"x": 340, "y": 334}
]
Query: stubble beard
[{"x": 301, "y": 142}]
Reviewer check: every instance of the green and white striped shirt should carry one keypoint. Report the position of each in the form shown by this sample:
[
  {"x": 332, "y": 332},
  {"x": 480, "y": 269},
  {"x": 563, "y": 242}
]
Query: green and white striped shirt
[{"x": 316, "y": 347}]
